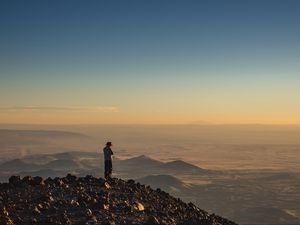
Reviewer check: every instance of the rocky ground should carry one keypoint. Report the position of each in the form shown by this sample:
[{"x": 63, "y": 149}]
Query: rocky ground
[{"x": 90, "y": 200}]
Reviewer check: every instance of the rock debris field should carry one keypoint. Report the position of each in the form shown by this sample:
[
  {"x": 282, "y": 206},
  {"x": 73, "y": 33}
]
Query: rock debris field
[{"x": 90, "y": 200}]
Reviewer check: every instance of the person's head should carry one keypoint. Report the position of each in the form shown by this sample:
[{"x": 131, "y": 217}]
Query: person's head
[{"x": 109, "y": 144}]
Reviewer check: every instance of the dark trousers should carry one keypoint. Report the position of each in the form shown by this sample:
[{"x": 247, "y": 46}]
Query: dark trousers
[{"x": 107, "y": 168}]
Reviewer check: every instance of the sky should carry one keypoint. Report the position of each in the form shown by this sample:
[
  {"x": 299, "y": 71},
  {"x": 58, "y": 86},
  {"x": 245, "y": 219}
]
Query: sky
[{"x": 150, "y": 62}]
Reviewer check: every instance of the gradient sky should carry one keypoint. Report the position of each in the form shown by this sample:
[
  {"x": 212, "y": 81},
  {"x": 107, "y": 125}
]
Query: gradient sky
[{"x": 150, "y": 61}]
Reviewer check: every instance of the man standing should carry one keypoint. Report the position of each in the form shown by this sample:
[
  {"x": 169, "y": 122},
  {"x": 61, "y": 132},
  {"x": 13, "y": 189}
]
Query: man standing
[{"x": 107, "y": 160}]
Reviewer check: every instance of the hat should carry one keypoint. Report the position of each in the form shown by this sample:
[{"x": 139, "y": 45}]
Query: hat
[{"x": 109, "y": 143}]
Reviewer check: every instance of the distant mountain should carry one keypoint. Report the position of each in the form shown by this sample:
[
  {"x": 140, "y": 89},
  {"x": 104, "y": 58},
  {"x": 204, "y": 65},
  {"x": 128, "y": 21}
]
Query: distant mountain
[
  {"x": 63, "y": 164},
  {"x": 146, "y": 165},
  {"x": 21, "y": 165},
  {"x": 76, "y": 155},
  {"x": 38, "y": 158},
  {"x": 92, "y": 162},
  {"x": 164, "y": 182},
  {"x": 140, "y": 161},
  {"x": 18, "y": 165},
  {"x": 137, "y": 166},
  {"x": 79, "y": 156},
  {"x": 179, "y": 166}
]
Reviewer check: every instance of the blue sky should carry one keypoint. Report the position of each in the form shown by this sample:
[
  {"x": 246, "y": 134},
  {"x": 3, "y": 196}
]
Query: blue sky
[{"x": 152, "y": 58}]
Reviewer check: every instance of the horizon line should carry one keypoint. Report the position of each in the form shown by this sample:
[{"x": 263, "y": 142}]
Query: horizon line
[{"x": 149, "y": 124}]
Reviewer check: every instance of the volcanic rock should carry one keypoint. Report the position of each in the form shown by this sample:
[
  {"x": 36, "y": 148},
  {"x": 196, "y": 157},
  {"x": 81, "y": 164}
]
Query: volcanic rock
[{"x": 90, "y": 200}]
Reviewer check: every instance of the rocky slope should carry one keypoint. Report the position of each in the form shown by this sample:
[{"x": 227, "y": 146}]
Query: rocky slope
[{"x": 89, "y": 200}]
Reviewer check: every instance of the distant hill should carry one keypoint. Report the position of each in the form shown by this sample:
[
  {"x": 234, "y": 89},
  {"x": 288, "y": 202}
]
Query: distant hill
[
  {"x": 179, "y": 166},
  {"x": 18, "y": 165},
  {"x": 164, "y": 182},
  {"x": 145, "y": 165},
  {"x": 38, "y": 158},
  {"x": 140, "y": 161},
  {"x": 63, "y": 164},
  {"x": 93, "y": 161},
  {"x": 79, "y": 156},
  {"x": 76, "y": 155}
]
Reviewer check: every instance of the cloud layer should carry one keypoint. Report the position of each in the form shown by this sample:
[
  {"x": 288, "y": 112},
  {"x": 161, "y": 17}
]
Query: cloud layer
[{"x": 97, "y": 109}]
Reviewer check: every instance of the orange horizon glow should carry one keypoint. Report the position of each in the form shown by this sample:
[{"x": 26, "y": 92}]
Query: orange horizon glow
[{"x": 130, "y": 118}]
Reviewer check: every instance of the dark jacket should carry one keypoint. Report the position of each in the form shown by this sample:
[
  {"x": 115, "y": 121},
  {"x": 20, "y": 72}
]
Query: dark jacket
[{"x": 107, "y": 153}]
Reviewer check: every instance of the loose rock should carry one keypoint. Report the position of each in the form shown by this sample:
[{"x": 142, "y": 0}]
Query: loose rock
[{"x": 88, "y": 200}]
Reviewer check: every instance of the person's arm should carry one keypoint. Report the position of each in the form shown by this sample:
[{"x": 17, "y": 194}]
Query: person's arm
[{"x": 111, "y": 152}]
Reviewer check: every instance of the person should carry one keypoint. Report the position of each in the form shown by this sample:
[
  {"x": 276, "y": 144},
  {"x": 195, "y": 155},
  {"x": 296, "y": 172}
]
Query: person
[{"x": 107, "y": 160}]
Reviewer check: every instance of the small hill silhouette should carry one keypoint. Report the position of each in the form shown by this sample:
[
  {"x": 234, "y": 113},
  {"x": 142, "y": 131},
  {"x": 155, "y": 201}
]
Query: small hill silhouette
[
  {"x": 18, "y": 165},
  {"x": 141, "y": 160},
  {"x": 179, "y": 165},
  {"x": 165, "y": 182},
  {"x": 89, "y": 200},
  {"x": 76, "y": 155},
  {"x": 63, "y": 164}
]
